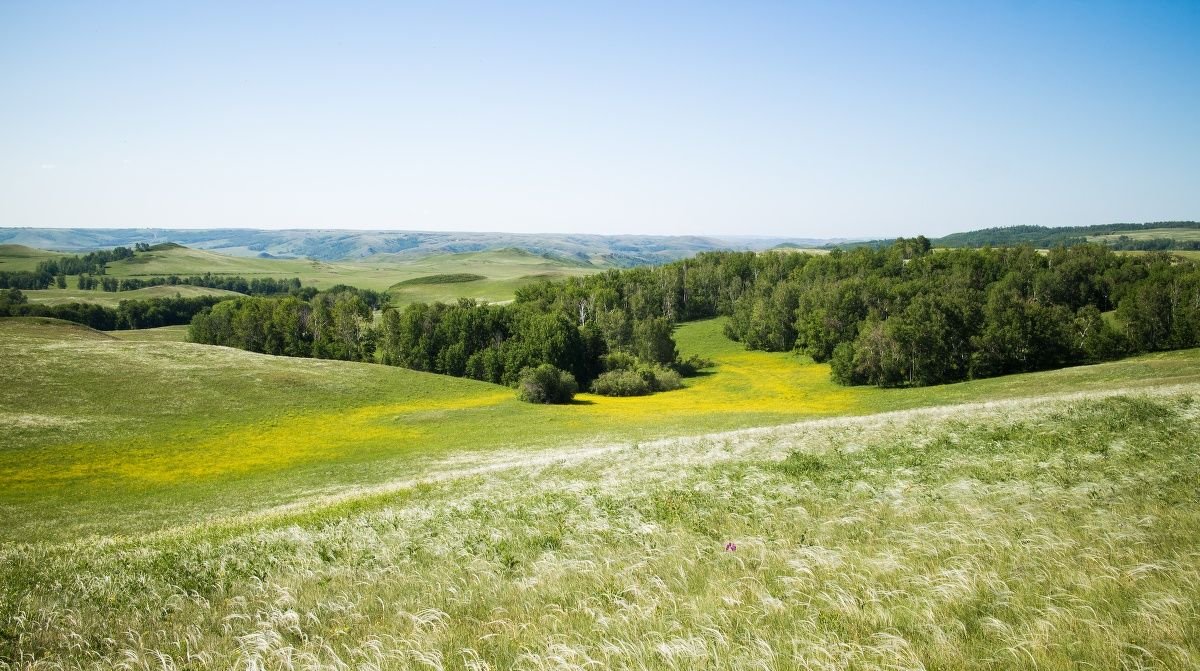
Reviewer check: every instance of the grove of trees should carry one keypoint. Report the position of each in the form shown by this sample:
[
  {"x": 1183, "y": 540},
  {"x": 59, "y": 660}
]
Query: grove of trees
[
  {"x": 132, "y": 314},
  {"x": 905, "y": 315}
]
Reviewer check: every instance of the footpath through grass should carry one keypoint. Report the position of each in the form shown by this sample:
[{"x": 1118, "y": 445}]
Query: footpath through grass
[{"x": 114, "y": 436}]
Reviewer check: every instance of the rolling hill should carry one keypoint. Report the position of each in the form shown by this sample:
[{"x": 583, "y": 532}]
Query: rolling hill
[
  {"x": 342, "y": 245},
  {"x": 172, "y": 505}
]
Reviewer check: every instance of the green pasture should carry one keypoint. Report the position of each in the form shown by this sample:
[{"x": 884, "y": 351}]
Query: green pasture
[
  {"x": 502, "y": 271},
  {"x": 108, "y": 435},
  {"x": 491, "y": 275},
  {"x": 1150, "y": 234},
  {"x": 113, "y": 298},
  {"x": 1035, "y": 534},
  {"x": 20, "y": 257}
]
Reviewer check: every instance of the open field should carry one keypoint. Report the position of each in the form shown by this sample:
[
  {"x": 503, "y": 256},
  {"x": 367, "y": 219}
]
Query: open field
[
  {"x": 159, "y": 334},
  {"x": 20, "y": 257},
  {"x": 113, "y": 298},
  {"x": 1150, "y": 234},
  {"x": 195, "y": 432},
  {"x": 1038, "y": 533},
  {"x": 408, "y": 279}
]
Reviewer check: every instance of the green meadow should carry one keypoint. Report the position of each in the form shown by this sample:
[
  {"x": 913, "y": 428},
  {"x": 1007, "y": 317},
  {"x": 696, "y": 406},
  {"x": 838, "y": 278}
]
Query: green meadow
[
  {"x": 113, "y": 298},
  {"x": 112, "y": 435},
  {"x": 491, "y": 276},
  {"x": 20, "y": 257},
  {"x": 168, "y": 505},
  {"x": 1150, "y": 234},
  {"x": 231, "y": 510},
  {"x": 498, "y": 273}
]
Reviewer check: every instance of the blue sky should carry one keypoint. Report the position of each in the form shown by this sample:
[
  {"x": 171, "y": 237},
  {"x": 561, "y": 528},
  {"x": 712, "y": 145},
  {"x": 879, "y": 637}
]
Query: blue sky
[{"x": 806, "y": 120}]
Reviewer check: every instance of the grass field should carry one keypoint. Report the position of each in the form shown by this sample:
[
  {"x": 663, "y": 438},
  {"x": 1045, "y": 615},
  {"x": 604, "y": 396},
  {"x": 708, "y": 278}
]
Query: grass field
[
  {"x": 1150, "y": 234},
  {"x": 502, "y": 271},
  {"x": 110, "y": 436},
  {"x": 496, "y": 274},
  {"x": 1038, "y": 533},
  {"x": 20, "y": 257},
  {"x": 113, "y": 298}
]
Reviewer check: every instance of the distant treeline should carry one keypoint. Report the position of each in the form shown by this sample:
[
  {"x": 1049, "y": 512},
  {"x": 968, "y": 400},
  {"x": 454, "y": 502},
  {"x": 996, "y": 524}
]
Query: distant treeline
[
  {"x": 53, "y": 272},
  {"x": 904, "y": 315},
  {"x": 1044, "y": 237},
  {"x": 258, "y": 286},
  {"x": 1126, "y": 243},
  {"x": 133, "y": 314},
  {"x": 92, "y": 262}
]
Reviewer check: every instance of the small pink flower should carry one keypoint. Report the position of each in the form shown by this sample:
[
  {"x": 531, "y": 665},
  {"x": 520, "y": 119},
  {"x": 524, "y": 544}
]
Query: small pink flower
[{"x": 731, "y": 547}]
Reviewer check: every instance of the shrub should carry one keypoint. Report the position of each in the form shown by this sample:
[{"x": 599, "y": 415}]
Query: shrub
[
  {"x": 666, "y": 379},
  {"x": 638, "y": 382},
  {"x": 621, "y": 383},
  {"x": 546, "y": 384},
  {"x": 693, "y": 365},
  {"x": 619, "y": 361}
]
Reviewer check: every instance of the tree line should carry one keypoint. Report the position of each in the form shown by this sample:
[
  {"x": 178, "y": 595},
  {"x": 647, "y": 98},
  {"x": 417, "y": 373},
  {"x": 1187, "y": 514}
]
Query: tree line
[
  {"x": 258, "y": 286},
  {"x": 902, "y": 315},
  {"x": 907, "y": 316},
  {"x": 130, "y": 314}
]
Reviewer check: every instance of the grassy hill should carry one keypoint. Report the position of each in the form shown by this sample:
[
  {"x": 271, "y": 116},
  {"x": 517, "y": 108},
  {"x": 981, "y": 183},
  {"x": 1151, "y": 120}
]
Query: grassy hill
[
  {"x": 344, "y": 245},
  {"x": 20, "y": 257},
  {"x": 498, "y": 273},
  {"x": 257, "y": 511},
  {"x": 1169, "y": 235},
  {"x": 112, "y": 298},
  {"x": 198, "y": 432}
]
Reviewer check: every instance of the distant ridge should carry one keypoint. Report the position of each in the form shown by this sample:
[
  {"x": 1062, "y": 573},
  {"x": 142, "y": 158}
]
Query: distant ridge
[
  {"x": 336, "y": 245},
  {"x": 1156, "y": 235}
]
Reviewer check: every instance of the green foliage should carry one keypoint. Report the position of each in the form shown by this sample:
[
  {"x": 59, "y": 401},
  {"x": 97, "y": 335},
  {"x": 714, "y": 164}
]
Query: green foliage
[
  {"x": 335, "y": 324},
  {"x": 905, "y": 316},
  {"x": 1119, "y": 236},
  {"x": 638, "y": 380},
  {"x": 546, "y": 384},
  {"x": 129, "y": 314}
]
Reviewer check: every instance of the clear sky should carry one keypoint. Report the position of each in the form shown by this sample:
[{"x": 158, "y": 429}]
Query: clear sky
[{"x": 806, "y": 120}]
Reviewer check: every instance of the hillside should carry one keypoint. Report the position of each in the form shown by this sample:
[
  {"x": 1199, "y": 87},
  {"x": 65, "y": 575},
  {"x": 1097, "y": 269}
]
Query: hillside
[
  {"x": 219, "y": 440},
  {"x": 113, "y": 298},
  {"x": 20, "y": 257},
  {"x": 343, "y": 245},
  {"x": 1052, "y": 528},
  {"x": 500, "y": 272},
  {"x": 1165, "y": 235}
]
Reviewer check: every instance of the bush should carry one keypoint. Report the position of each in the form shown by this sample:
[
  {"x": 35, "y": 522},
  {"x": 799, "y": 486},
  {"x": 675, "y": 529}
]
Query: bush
[
  {"x": 619, "y": 361},
  {"x": 639, "y": 382},
  {"x": 546, "y": 384},
  {"x": 666, "y": 379},
  {"x": 693, "y": 365},
  {"x": 621, "y": 383}
]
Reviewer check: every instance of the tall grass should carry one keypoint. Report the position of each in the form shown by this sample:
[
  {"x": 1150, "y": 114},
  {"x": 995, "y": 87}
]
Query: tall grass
[{"x": 1029, "y": 534}]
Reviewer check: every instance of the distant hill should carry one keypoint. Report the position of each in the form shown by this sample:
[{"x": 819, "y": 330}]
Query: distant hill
[
  {"x": 1043, "y": 236},
  {"x": 1159, "y": 235},
  {"x": 339, "y": 245}
]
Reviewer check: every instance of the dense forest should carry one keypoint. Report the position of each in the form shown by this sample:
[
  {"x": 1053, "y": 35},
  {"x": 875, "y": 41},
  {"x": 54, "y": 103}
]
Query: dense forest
[
  {"x": 904, "y": 315},
  {"x": 133, "y": 314}
]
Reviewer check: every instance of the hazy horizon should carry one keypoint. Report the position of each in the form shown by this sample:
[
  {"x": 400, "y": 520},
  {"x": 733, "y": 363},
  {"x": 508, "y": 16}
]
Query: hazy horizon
[{"x": 864, "y": 121}]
